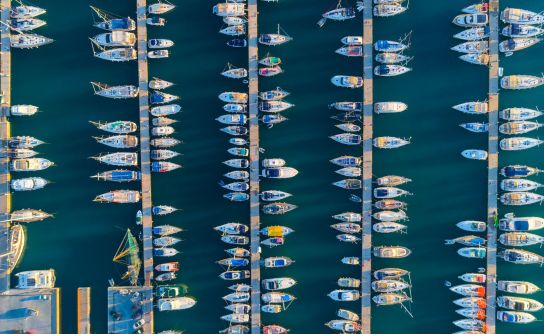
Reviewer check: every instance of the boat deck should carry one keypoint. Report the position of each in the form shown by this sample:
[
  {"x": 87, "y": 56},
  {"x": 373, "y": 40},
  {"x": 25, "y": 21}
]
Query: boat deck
[
  {"x": 83, "y": 310},
  {"x": 5, "y": 104},
  {"x": 493, "y": 165},
  {"x": 368, "y": 109},
  {"x": 145, "y": 161},
  {"x": 15, "y": 303},
  {"x": 128, "y": 303},
  {"x": 254, "y": 210}
]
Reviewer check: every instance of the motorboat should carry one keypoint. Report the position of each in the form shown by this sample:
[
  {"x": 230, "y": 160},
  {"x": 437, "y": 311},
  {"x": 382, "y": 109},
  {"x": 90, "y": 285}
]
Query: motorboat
[
  {"x": 384, "y": 70},
  {"x": 23, "y": 110},
  {"x": 347, "y": 161},
  {"x": 390, "y": 58},
  {"x": 174, "y": 304},
  {"x": 469, "y": 290},
  {"x": 28, "y": 183},
  {"x": 115, "y": 92},
  {"x": 232, "y": 275},
  {"x": 350, "y": 217},
  {"x": 388, "y": 142},
  {"x": 156, "y": 21},
  {"x": 518, "y": 287},
  {"x": 158, "y": 54},
  {"x": 390, "y": 299},
  {"x": 515, "y": 317},
  {"x": 473, "y": 34},
  {"x": 519, "y": 304},
  {"x": 279, "y": 283},
  {"x": 347, "y": 81},
  {"x": 278, "y": 208},
  {"x": 521, "y": 81},
  {"x": 519, "y": 256},
  {"x": 521, "y": 16},
  {"x": 347, "y": 315},
  {"x": 347, "y": 106},
  {"x": 160, "y": 8},
  {"x": 232, "y": 119},
  {"x": 389, "y": 285},
  {"x": 277, "y": 262},
  {"x": 352, "y": 40},
  {"x": 235, "y": 239},
  {"x": 389, "y": 107},
  {"x": 389, "y": 192},
  {"x": 472, "y": 252},
  {"x": 389, "y": 46},
  {"x": 273, "y": 242},
  {"x": 167, "y": 267},
  {"x": 233, "y": 262},
  {"x": 347, "y": 138},
  {"x": 36, "y": 279},
  {"x": 344, "y": 326},
  {"x": 237, "y": 43},
  {"x": 391, "y": 252},
  {"x": 236, "y": 196},
  {"x": 476, "y": 108},
  {"x": 348, "y": 238},
  {"x": 29, "y": 164},
  {"x": 476, "y": 8},
  {"x": 274, "y": 329},
  {"x": 472, "y": 226},
  {"x": 165, "y": 110},
  {"x": 520, "y": 239},
  {"x": 472, "y": 47},
  {"x": 474, "y": 154},
  {"x": 473, "y": 278},
  {"x": 238, "y": 141},
  {"x": 521, "y": 198},
  {"x": 276, "y": 231},
  {"x": 518, "y": 127},
  {"x": 115, "y": 39},
  {"x": 388, "y": 227},
  {"x": 520, "y": 224},
  {"x": 521, "y": 30},
  {"x": 233, "y": 97},
  {"x": 471, "y": 20},
  {"x": 516, "y": 44},
  {"x": 350, "y": 51},
  {"x": 518, "y": 171},
  {"x": 341, "y": 295},
  {"x": 351, "y": 260},
  {"x": 279, "y": 172}
]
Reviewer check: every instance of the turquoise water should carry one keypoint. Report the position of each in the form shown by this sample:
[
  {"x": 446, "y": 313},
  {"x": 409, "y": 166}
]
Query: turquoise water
[{"x": 80, "y": 242}]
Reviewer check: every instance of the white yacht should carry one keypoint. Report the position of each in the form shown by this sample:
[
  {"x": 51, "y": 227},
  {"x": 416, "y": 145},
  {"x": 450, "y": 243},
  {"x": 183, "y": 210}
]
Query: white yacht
[{"x": 36, "y": 279}]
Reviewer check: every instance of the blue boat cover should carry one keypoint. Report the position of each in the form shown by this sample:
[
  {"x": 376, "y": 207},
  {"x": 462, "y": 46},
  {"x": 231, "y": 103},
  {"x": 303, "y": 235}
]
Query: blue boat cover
[
  {"x": 124, "y": 176},
  {"x": 120, "y": 23},
  {"x": 511, "y": 171},
  {"x": 521, "y": 225}
]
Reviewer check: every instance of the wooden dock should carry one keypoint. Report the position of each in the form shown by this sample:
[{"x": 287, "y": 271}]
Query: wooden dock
[
  {"x": 83, "y": 310},
  {"x": 5, "y": 105},
  {"x": 368, "y": 110},
  {"x": 254, "y": 209},
  {"x": 493, "y": 165},
  {"x": 145, "y": 159}
]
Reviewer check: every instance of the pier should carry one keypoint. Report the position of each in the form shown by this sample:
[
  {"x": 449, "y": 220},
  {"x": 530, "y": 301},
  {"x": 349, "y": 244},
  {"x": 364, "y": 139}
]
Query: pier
[
  {"x": 493, "y": 165},
  {"x": 83, "y": 310},
  {"x": 145, "y": 163},
  {"x": 5, "y": 105},
  {"x": 15, "y": 303},
  {"x": 127, "y": 304},
  {"x": 254, "y": 209},
  {"x": 368, "y": 110}
]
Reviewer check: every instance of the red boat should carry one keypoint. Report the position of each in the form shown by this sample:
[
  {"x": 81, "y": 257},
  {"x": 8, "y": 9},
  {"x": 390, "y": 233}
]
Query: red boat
[
  {"x": 274, "y": 329},
  {"x": 167, "y": 267}
]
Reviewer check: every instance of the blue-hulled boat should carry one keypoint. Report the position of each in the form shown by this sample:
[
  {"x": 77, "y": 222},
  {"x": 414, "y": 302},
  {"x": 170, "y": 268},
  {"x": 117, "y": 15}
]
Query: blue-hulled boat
[
  {"x": 237, "y": 43},
  {"x": 518, "y": 171},
  {"x": 160, "y": 97},
  {"x": 118, "y": 175},
  {"x": 389, "y": 46},
  {"x": 475, "y": 127}
]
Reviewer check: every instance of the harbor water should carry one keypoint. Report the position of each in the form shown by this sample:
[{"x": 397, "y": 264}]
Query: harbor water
[{"x": 79, "y": 243}]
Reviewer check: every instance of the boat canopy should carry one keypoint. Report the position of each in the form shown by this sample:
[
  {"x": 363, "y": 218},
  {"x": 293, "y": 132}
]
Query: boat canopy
[
  {"x": 521, "y": 225},
  {"x": 275, "y": 231}
]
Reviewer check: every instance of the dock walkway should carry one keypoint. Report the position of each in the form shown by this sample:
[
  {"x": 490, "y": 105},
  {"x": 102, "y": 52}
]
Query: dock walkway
[
  {"x": 145, "y": 159},
  {"x": 5, "y": 107},
  {"x": 83, "y": 310},
  {"x": 493, "y": 164},
  {"x": 254, "y": 210},
  {"x": 368, "y": 109}
]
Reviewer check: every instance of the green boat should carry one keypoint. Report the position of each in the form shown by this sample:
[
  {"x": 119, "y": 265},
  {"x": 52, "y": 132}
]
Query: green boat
[
  {"x": 270, "y": 61},
  {"x": 171, "y": 291}
]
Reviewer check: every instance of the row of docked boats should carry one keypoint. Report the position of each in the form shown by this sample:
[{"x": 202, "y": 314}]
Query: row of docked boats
[
  {"x": 474, "y": 47},
  {"x": 23, "y": 21}
]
